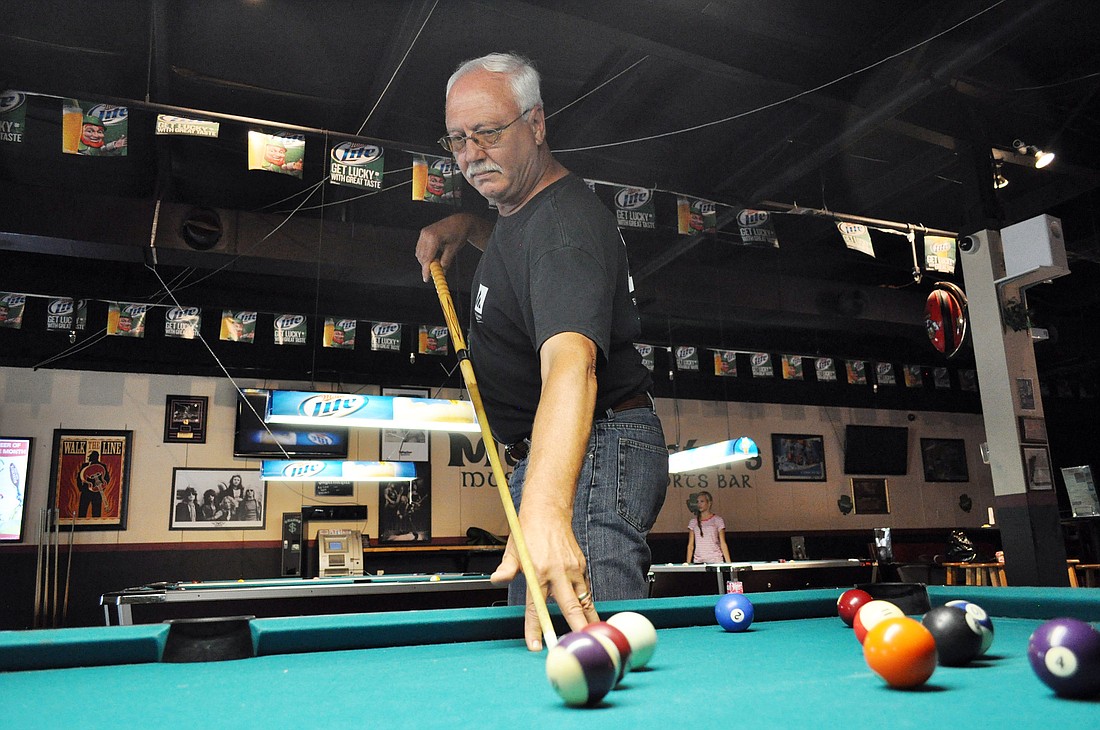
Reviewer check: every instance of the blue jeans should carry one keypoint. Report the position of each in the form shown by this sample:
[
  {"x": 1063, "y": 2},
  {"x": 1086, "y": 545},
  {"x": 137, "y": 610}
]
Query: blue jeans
[{"x": 620, "y": 490}]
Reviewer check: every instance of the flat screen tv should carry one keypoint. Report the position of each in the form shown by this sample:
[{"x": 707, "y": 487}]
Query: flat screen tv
[
  {"x": 15, "y": 464},
  {"x": 252, "y": 440},
  {"x": 876, "y": 450}
]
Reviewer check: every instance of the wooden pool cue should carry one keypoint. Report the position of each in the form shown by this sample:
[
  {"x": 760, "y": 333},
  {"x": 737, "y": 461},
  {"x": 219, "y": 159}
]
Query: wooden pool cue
[
  {"x": 68, "y": 573},
  {"x": 38, "y": 571},
  {"x": 56, "y": 562},
  {"x": 550, "y": 639}
]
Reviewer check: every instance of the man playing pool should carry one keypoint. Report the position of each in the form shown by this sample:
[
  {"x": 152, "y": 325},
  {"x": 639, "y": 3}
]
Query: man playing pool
[{"x": 551, "y": 339}]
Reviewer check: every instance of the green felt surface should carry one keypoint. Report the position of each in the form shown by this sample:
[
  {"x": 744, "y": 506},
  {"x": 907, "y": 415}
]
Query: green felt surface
[{"x": 798, "y": 666}]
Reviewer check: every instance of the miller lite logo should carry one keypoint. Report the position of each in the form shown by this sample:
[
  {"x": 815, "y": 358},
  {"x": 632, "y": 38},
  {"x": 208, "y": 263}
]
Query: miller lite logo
[
  {"x": 684, "y": 351},
  {"x": 320, "y": 438},
  {"x": 289, "y": 321},
  {"x": 177, "y": 314},
  {"x": 383, "y": 329},
  {"x": 245, "y": 317},
  {"x": 443, "y": 166},
  {"x": 760, "y": 358},
  {"x": 109, "y": 114},
  {"x": 14, "y": 300},
  {"x": 851, "y": 229},
  {"x": 61, "y": 307},
  {"x": 631, "y": 198},
  {"x": 752, "y": 217},
  {"x": 10, "y": 100},
  {"x": 302, "y": 469},
  {"x": 437, "y": 332},
  {"x": 331, "y": 405},
  {"x": 134, "y": 310},
  {"x": 355, "y": 153}
]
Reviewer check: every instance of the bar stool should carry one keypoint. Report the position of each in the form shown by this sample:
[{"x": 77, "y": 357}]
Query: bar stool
[
  {"x": 975, "y": 574},
  {"x": 1088, "y": 574},
  {"x": 1071, "y": 568}
]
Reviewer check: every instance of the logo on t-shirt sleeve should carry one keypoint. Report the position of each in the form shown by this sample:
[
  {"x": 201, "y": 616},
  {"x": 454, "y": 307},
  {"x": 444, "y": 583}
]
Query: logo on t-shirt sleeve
[{"x": 479, "y": 303}]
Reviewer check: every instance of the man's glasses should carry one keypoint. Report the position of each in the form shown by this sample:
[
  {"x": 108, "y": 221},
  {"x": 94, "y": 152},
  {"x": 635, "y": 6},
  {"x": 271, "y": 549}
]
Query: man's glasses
[{"x": 483, "y": 138}]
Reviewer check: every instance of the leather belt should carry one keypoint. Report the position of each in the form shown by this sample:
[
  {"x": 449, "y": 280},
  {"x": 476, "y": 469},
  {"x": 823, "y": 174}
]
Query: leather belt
[{"x": 519, "y": 450}]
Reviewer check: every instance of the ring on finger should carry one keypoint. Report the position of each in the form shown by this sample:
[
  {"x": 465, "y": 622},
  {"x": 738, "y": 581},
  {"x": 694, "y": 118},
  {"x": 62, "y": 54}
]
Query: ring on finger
[{"x": 583, "y": 596}]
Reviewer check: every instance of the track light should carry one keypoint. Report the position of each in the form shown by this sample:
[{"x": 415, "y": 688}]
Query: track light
[
  {"x": 702, "y": 457},
  {"x": 999, "y": 180},
  {"x": 1042, "y": 159}
]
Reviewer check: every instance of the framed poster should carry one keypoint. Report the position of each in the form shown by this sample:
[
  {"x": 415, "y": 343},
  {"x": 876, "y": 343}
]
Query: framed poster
[
  {"x": 1037, "y": 469},
  {"x": 798, "y": 457},
  {"x": 405, "y": 510},
  {"x": 185, "y": 418},
  {"x": 1033, "y": 430},
  {"x": 90, "y": 478},
  {"x": 15, "y": 464},
  {"x": 870, "y": 496},
  {"x": 944, "y": 460},
  {"x": 1025, "y": 391},
  {"x": 402, "y": 444},
  {"x": 217, "y": 499}
]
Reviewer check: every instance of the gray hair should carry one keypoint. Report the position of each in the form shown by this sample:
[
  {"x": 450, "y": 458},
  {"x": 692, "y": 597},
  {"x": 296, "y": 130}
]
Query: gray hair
[{"x": 523, "y": 78}]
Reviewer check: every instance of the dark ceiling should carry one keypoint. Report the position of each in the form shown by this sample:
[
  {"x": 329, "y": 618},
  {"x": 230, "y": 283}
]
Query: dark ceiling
[{"x": 891, "y": 111}]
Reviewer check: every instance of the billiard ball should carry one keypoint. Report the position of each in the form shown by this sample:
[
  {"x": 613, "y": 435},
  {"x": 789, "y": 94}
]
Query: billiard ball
[
  {"x": 641, "y": 635},
  {"x": 958, "y": 636},
  {"x": 1065, "y": 655},
  {"x": 435, "y": 577},
  {"x": 901, "y": 651},
  {"x": 850, "y": 602},
  {"x": 581, "y": 669},
  {"x": 734, "y": 612},
  {"x": 985, "y": 623},
  {"x": 618, "y": 639},
  {"x": 872, "y": 613}
]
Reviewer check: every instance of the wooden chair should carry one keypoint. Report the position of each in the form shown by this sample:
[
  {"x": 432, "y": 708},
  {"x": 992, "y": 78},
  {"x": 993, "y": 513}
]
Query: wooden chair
[
  {"x": 975, "y": 574},
  {"x": 1071, "y": 568},
  {"x": 1088, "y": 575}
]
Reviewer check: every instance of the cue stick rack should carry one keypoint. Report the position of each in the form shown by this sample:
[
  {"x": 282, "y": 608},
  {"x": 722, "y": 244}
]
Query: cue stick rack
[{"x": 50, "y": 609}]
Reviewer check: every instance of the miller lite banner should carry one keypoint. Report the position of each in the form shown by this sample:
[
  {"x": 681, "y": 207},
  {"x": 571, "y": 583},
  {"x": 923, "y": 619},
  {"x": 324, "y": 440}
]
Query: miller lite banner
[
  {"x": 356, "y": 165},
  {"x": 281, "y": 152},
  {"x": 825, "y": 369},
  {"x": 185, "y": 127},
  {"x": 939, "y": 254},
  {"x": 762, "y": 366},
  {"x": 687, "y": 358},
  {"x": 238, "y": 326},
  {"x": 182, "y": 322},
  {"x": 126, "y": 320},
  {"x": 857, "y": 372},
  {"x": 314, "y": 470},
  {"x": 436, "y": 180},
  {"x": 11, "y": 310},
  {"x": 695, "y": 216},
  {"x": 385, "y": 336},
  {"x": 884, "y": 374},
  {"x": 434, "y": 340},
  {"x": 913, "y": 376},
  {"x": 13, "y": 116},
  {"x": 290, "y": 329},
  {"x": 792, "y": 367},
  {"x": 856, "y": 237},
  {"x": 725, "y": 363},
  {"x": 339, "y": 333},
  {"x": 634, "y": 208},
  {"x": 756, "y": 227},
  {"x": 96, "y": 130},
  {"x": 370, "y": 411},
  {"x": 65, "y": 315},
  {"x": 646, "y": 351}
]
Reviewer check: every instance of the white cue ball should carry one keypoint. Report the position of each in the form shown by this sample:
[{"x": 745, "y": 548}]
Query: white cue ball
[{"x": 641, "y": 635}]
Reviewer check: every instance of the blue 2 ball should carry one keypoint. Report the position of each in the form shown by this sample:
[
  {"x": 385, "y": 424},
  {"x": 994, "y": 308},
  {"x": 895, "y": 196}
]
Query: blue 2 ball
[{"x": 734, "y": 612}]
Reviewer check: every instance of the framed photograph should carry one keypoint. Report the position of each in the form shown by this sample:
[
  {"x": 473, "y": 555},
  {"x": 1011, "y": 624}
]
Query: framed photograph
[
  {"x": 944, "y": 460},
  {"x": 185, "y": 418},
  {"x": 1025, "y": 391},
  {"x": 798, "y": 457},
  {"x": 1037, "y": 469},
  {"x": 870, "y": 496},
  {"x": 217, "y": 499},
  {"x": 402, "y": 444},
  {"x": 1033, "y": 430},
  {"x": 405, "y": 510},
  {"x": 90, "y": 478}
]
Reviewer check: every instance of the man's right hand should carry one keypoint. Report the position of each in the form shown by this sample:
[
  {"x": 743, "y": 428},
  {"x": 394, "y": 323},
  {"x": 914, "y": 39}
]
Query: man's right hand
[{"x": 443, "y": 239}]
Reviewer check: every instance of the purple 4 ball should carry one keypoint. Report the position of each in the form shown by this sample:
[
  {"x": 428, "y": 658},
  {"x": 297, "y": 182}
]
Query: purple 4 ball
[{"x": 1065, "y": 654}]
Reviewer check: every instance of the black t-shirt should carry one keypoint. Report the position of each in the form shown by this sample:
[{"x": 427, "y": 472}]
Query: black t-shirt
[{"x": 556, "y": 265}]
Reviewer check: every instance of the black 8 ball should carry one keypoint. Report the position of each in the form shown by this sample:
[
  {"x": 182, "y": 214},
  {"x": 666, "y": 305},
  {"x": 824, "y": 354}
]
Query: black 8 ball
[{"x": 958, "y": 636}]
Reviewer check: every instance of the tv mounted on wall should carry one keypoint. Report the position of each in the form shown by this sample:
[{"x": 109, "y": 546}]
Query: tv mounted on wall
[
  {"x": 253, "y": 439},
  {"x": 876, "y": 450}
]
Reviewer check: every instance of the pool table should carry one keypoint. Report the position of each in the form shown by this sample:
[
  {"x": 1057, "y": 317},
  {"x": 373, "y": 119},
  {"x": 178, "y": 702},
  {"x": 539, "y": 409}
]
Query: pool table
[
  {"x": 688, "y": 579},
  {"x": 797, "y": 666},
  {"x": 297, "y": 596}
]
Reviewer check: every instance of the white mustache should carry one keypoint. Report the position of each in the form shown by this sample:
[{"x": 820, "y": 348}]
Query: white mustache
[{"x": 479, "y": 166}]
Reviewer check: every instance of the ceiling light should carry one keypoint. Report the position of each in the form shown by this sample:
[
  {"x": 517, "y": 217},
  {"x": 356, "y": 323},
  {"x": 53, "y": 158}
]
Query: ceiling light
[
  {"x": 1042, "y": 159},
  {"x": 999, "y": 180},
  {"x": 712, "y": 455}
]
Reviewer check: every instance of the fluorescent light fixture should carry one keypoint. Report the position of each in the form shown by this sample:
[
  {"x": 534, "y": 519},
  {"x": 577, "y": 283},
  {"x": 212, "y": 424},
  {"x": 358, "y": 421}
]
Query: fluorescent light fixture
[
  {"x": 702, "y": 457},
  {"x": 315, "y": 470},
  {"x": 371, "y": 411}
]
